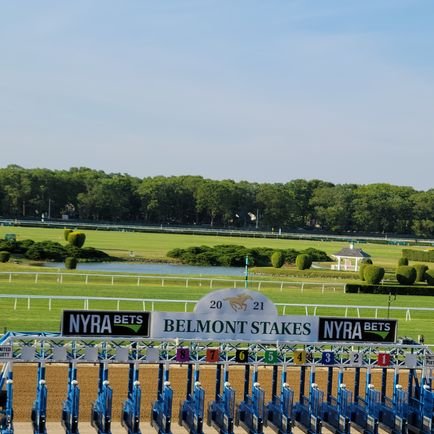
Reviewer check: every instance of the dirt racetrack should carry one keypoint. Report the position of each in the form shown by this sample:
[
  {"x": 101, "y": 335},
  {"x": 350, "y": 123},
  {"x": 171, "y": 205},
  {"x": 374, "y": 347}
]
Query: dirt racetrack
[{"x": 57, "y": 376}]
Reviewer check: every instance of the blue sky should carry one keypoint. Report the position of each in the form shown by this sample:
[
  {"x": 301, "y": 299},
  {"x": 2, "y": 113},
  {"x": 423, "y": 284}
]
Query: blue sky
[{"x": 265, "y": 91}]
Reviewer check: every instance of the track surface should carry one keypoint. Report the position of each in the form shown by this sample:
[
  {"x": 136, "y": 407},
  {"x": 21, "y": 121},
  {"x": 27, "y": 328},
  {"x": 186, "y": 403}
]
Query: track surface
[{"x": 56, "y": 378}]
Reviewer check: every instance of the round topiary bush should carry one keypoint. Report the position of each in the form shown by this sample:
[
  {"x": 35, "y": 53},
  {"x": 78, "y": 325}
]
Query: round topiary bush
[
  {"x": 4, "y": 256},
  {"x": 406, "y": 275},
  {"x": 66, "y": 233},
  {"x": 303, "y": 261},
  {"x": 277, "y": 259},
  {"x": 429, "y": 277},
  {"x": 373, "y": 274},
  {"x": 421, "y": 269},
  {"x": 71, "y": 263},
  {"x": 363, "y": 264},
  {"x": 76, "y": 238},
  {"x": 402, "y": 261}
]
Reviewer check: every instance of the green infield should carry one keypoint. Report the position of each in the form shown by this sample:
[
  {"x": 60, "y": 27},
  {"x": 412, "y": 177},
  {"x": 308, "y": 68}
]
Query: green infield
[
  {"x": 154, "y": 246},
  {"x": 37, "y": 315},
  {"x": 22, "y": 314}
]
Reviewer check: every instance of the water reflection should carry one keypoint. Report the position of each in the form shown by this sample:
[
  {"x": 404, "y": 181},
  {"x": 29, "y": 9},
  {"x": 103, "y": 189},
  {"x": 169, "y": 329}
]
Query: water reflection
[{"x": 154, "y": 268}]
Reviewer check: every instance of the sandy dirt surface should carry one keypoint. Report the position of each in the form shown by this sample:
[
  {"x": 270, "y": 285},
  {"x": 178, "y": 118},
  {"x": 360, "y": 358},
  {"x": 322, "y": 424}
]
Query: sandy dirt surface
[{"x": 56, "y": 379}]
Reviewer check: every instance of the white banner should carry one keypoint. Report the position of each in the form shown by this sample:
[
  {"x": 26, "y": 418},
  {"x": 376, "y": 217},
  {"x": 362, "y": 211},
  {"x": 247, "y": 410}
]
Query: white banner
[
  {"x": 246, "y": 327},
  {"x": 234, "y": 314}
]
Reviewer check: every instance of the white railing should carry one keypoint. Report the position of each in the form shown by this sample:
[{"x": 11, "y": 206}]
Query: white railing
[
  {"x": 187, "y": 305},
  {"x": 187, "y": 281}
]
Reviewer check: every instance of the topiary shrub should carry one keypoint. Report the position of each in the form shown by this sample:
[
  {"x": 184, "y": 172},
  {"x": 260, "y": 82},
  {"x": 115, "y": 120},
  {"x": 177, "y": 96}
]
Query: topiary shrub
[
  {"x": 4, "y": 256},
  {"x": 421, "y": 269},
  {"x": 277, "y": 259},
  {"x": 429, "y": 277},
  {"x": 66, "y": 233},
  {"x": 71, "y": 263},
  {"x": 363, "y": 264},
  {"x": 46, "y": 250},
  {"x": 76, "y": 238},
  {"x": 402, "y": 261},
  {"x": 373, "y": 274},
  {"x": 303, "y": 262},
  {"x": 406, "y": 275}
]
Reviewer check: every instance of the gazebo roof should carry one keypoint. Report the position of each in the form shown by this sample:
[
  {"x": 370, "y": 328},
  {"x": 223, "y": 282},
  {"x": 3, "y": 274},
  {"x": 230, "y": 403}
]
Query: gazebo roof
[{"x": 348, "y": 252}]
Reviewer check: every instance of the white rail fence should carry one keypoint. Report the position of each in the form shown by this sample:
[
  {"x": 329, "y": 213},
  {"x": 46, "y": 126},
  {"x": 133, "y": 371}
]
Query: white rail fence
[
  {"x": 150, "y": 304},
  {"x": 211, "y": 282}
]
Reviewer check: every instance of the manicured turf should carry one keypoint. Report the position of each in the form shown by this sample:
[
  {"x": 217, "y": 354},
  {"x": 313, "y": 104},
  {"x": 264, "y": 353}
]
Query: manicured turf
[{"x": 154, "y": 247}]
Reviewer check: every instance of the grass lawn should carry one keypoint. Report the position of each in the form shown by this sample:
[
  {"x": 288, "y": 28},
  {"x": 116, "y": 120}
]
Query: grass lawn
[{"x": 153, "y": 247}]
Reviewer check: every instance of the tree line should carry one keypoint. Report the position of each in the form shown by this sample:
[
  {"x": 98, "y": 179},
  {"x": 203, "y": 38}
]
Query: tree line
[{"x": 93, "y": 195}]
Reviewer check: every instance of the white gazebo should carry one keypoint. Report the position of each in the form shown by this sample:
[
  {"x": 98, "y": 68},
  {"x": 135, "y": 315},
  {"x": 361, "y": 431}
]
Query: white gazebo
[{"x": 349, "y": 258}]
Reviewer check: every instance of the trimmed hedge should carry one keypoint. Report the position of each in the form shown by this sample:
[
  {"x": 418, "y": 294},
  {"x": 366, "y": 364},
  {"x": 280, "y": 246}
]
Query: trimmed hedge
[
  {"x": 66, "y": 233},
  {"x": 418, "y": 255},
  {"x": 303, "y": 262},
  {"x": 373, "y": 274},
  {"x": 76, "y": 238},
  {"x": 356, "y": 288},
  {"x": 429, "y": 277},
  {"x": 402, "y": 261},
  {"x": 71, "y": 263},
  {"x": 405, "y": 275},
  {"x": 277, "y": 259},
  {"x": 4, "y": 256},
  {"x": 421, "y": 269}
]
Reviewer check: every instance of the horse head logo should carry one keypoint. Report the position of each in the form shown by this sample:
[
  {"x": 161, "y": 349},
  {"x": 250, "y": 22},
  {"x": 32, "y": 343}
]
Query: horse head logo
[{"x": 239, "y": 302}]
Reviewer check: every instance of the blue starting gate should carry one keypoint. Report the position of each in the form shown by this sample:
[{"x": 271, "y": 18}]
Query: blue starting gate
[{"x": 407, "y": 409}]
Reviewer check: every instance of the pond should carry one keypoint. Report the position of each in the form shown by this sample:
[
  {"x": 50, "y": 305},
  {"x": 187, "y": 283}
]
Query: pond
[{"x": 153, "y": 268}]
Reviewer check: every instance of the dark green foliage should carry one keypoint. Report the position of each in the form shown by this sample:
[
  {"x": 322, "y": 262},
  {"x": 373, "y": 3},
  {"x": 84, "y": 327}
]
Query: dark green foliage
[
  {"x": 406, "y": 275},
  {"x": 260, "y": 256},
  {"x": 8, "y": 245},
  {"x": 4, "y": 256},
  {"x": 420, "y": 272},
  {"x": 66, "y": 233},
  {"x": 291, "y": 255},
  {"x": 402, "y": 261},
  {"x": 303, "y": 261},
  {"x": 22, "y": 246},
  {"x": 418, "y": 255},
  {"x": 71, "y": 263},
  {"x": 316, "y": 255},
  {"x": 373, "y": 274},
  {"x": 388, "y": 289},
  {"x": 87, "y": 253},
  {"x": 429, "y": 277},
  {"x": 233, "y": 255},
  {"x": 277, "y": 259},
  {"x": 46, "y": 250},
  {"x": 76, "y": 238},
  {"x": 363, "y": 265}
]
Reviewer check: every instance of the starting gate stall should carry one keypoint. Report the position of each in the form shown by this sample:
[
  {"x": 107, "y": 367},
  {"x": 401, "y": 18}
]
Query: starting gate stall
[
  {"x": 279, "y": 409},
  {"x": 131, "y": 408},
  {"x": 221, "y": 411},
  {"x": 101, "y": 411},
  {"x": 308, "y": 410},
  {"x": 161, "y": 417},
  {"x": 250, "y": 335},
  {"x": 191, "y": 412},
  {"x": 71, "y": 406},
  {"x": 250, "y": 412},
  {"x": 336, "y": 411},
  {"x": 39, "y": 409},
  {"x": 6, "y": 399}
]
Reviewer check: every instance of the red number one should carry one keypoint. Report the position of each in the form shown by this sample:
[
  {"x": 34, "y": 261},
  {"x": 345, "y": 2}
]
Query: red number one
[{"x": 383, "y": 359}]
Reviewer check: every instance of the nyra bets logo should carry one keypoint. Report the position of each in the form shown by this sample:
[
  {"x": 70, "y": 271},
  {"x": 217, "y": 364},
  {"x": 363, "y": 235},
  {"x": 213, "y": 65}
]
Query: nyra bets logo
[
  {"x": 102, "y": 323},
  {"x": 357, "y": 330}
]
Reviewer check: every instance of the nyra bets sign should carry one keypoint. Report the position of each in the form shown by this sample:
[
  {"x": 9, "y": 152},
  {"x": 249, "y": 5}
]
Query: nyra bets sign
[
  {"x": 234, "y": 314},
  {"x": 105, "y": 323}
]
